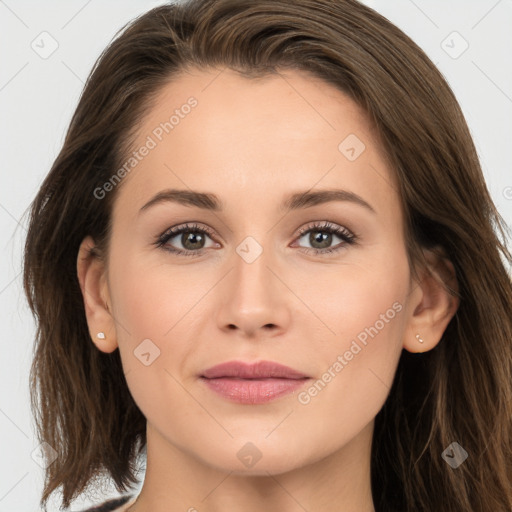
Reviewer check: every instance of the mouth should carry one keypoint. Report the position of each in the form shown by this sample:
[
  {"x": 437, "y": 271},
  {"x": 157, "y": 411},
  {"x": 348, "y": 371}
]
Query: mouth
[
  {"x": 252, "y": 383},
  {"x": 257, "y": 370}
]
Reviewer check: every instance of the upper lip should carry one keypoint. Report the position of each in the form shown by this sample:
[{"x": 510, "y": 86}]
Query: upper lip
[{"x": 257, "y": 370}]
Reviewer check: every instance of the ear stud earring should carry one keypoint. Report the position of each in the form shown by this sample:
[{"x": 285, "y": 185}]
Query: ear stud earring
[
  {"x": 100, "y": 335},
  {"x": 418, "y": 338}
]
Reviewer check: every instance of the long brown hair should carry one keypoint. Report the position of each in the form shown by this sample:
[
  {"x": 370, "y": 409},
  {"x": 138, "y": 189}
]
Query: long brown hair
[{"x": 459, "y": 391}]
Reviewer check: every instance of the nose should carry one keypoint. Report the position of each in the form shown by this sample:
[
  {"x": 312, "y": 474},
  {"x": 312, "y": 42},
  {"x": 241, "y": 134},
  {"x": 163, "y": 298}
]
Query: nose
[{"x": 254, "y": 298}]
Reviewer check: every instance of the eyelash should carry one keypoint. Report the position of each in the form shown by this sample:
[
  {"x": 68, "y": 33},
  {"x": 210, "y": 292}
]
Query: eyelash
[{"x": 348, "y": 238}]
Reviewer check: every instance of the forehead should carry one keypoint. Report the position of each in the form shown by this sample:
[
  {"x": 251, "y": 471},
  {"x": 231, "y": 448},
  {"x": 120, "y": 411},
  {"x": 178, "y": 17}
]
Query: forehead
[
  {"x": 227, "y": 101},
  {"x": 217, "y": 130}
]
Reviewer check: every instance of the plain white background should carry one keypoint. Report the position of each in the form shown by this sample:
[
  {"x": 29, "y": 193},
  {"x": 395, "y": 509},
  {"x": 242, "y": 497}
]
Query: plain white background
[{"x": 38, "y": 96}]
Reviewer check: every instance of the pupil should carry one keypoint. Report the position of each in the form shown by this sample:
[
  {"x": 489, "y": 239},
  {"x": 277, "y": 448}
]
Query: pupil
[
  {"x": 190, "y": 238},
  {"x": 321, "y": 237}
]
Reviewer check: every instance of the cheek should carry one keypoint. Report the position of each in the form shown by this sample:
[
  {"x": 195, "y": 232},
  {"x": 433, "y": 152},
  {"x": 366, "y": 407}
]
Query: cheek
[
  {"x": 149, "y": 300},
  {"x": 365, "y": 309},
  {"x": 153, "y": 314},
  {"x": 151, "y": 326}
]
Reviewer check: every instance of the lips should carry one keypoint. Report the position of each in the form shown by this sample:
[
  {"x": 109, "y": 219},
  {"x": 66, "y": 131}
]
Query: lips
[
  {"x": 252, "y": 383},
  {"x": 258, "y": 370}
]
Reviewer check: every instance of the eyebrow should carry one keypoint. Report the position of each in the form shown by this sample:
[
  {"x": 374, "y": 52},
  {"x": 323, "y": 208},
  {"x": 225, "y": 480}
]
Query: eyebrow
[{"x": 294, "y": 201}]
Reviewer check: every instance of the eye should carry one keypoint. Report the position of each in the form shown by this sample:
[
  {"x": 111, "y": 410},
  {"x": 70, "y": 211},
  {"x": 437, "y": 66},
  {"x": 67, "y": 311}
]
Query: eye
[
  {"x": 192, "y": 239},
  {"x": 320, "y": 236}
]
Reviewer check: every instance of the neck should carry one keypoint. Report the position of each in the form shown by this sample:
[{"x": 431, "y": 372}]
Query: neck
[{"x": 178, "y": 480}]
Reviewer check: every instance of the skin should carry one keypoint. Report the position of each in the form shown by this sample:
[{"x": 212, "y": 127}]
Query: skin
[{"x": 253, "y": 142}]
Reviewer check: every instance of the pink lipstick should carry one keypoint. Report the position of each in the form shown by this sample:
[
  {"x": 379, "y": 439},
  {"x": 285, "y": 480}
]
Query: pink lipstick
[{"x": 253, "y": 383}]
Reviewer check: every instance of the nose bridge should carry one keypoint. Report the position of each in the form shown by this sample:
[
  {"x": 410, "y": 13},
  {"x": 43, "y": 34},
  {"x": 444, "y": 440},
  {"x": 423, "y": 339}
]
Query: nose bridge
[
  {"x": 252, "y": 296},
  {"x": 252, "y": 277}
]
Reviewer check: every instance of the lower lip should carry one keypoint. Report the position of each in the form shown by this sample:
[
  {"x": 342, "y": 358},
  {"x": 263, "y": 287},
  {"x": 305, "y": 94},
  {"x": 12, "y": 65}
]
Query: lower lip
[{"x": 253, "y": 391}]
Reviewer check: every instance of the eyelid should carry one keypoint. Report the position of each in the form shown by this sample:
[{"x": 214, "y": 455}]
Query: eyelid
[
  {"x": 320, "y": 225},
  {"x": 187, "y": 226}
]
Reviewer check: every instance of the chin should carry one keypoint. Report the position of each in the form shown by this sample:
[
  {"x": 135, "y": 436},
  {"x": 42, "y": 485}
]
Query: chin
[{"x": 258, "y": 458}]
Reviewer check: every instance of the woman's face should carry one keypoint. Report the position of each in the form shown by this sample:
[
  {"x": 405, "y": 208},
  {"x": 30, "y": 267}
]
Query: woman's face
[{"x": 335, "y": 307}]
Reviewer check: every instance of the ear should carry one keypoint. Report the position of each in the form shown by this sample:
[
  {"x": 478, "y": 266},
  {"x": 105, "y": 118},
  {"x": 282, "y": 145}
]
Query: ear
[
  {"x": 91, "y": 272},
  {"x": 432, "y": 305}
]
